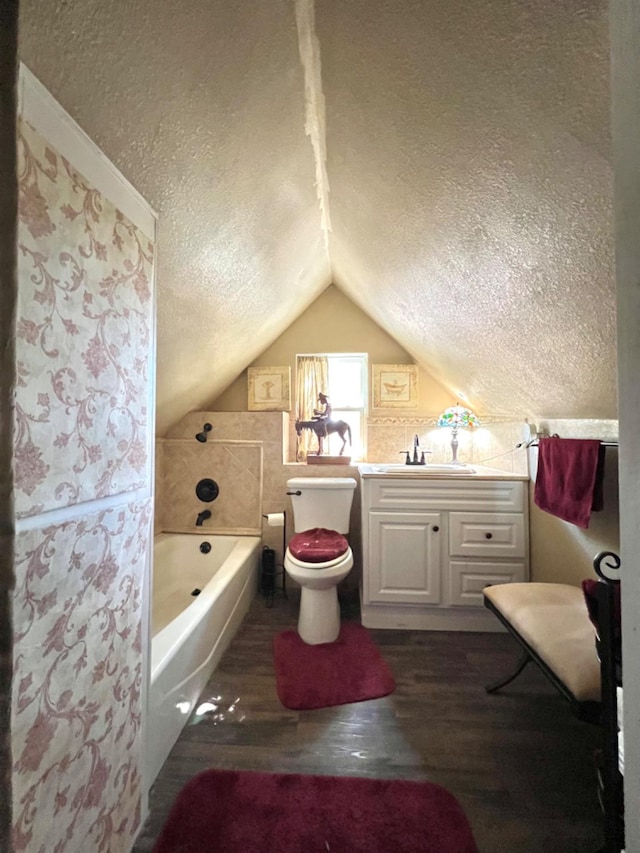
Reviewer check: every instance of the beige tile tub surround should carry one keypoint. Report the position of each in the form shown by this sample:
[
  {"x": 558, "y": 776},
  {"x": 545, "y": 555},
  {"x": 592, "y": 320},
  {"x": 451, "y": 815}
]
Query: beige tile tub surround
[
  {"x": 236, "y": 466},
  {"x": 268, "y": 429}
]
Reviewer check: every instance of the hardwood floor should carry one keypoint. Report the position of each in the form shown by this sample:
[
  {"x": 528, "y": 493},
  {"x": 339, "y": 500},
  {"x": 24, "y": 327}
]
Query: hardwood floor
[{"x": 519, "y": 763}]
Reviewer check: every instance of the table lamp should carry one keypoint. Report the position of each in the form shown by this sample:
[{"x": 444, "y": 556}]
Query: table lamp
[{"x": 457, "y": 417}]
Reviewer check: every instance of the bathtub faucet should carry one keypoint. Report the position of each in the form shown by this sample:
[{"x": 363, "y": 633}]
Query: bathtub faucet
[{"x": 203, "y": 516}]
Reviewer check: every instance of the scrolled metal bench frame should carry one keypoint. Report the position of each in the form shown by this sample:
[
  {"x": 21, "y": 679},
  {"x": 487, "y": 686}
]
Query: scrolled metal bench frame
[
  {"x": 587, "y": 711},
  {"x": 607, "y": 566}
]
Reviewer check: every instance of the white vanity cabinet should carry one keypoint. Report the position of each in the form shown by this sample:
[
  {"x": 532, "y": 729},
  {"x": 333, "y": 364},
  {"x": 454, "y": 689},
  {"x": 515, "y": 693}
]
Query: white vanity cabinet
[{"x": 432, "y": 543}]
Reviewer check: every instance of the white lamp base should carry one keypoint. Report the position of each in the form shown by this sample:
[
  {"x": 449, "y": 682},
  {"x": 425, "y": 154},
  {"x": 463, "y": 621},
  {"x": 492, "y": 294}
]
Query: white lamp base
[{"x": 454, "y": 447}]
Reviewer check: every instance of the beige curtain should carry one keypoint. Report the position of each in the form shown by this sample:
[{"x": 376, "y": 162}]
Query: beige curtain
[{"x": 312, "y": 377}]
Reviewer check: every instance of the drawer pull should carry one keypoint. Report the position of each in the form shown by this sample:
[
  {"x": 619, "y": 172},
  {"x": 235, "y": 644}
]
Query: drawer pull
[
  {"x": 435, "y": 528},
  {"x": 488, "y": 535}
]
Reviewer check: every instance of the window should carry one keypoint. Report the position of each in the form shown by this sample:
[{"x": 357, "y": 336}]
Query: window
[{"x": 347, "y": 390}]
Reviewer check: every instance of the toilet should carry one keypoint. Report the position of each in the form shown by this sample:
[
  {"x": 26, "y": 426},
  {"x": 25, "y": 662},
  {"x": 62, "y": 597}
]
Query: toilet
[{"x": 319, "y": 556}]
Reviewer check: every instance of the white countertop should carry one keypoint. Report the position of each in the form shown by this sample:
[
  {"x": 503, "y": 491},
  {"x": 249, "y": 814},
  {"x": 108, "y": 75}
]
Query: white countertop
[{"x": 435, "y": 471}]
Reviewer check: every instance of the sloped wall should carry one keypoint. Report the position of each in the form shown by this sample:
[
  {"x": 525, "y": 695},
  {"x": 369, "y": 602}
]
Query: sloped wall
[
  {"x": 469, "y": 161},
  {"x": 468, "y": 170}
]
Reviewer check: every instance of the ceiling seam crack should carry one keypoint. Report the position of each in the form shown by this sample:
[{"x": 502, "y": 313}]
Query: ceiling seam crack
[{"x": 315, "y": 126}]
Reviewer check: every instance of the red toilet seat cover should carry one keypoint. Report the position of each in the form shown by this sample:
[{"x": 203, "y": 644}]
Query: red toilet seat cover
[{"x": 318, "y": 545}]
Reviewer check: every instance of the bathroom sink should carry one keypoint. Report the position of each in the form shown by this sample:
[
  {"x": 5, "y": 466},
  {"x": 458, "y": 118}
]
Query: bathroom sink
[{"x": 424, "y": 470}]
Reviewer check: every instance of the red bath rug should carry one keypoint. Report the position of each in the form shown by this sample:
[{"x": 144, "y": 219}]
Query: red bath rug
[
  {"x": 349, "y": 670},
  {"x": 225, "y": 811}
]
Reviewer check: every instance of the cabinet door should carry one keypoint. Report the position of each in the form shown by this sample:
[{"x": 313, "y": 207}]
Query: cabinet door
[{"x": 404, "y": 557}]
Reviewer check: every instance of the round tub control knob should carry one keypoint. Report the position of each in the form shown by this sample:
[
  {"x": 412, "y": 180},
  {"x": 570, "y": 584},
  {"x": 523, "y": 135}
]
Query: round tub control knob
[{"x": 207, "y": 490}]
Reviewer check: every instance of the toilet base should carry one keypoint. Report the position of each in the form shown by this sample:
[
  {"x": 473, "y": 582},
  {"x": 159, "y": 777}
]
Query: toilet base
[{"x": 319, "y": 617}]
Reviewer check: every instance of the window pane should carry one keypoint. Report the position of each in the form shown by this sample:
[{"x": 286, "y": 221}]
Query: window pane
[
  {"x": 345, "y": 382},
  {"x": 354, "y": 450}
]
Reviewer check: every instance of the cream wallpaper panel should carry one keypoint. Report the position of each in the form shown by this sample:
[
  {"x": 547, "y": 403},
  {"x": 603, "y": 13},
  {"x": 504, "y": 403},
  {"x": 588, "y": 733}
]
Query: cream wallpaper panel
[
  {"x": 84, "y": 326},
  {"x": 76, "y": 712}
]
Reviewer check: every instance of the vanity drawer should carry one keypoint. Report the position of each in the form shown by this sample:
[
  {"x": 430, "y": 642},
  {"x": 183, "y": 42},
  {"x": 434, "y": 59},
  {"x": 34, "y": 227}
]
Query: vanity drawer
[
  {"x": 467, "y": 580},
  {"x": 445, "y": 494},
  {"x": 486, "y": 534}
]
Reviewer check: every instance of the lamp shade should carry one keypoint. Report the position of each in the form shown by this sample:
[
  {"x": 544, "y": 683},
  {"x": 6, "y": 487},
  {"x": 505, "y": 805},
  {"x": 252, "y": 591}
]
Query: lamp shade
[{"x": 458, "y": 416}]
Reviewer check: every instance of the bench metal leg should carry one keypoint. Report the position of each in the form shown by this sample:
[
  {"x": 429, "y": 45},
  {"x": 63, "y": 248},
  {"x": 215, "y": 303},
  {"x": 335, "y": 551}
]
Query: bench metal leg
[{"x": 524, "y": 660}]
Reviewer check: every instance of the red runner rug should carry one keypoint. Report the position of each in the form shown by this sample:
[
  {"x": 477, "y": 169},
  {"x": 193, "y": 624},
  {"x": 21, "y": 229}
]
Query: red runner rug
[
  {"x": 224, "y": 811},
  {"x": 349, "y": 670}
]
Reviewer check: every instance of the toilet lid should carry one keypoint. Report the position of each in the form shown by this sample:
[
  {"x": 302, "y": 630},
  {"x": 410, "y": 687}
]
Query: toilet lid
[{"x": 318, "y": 545}]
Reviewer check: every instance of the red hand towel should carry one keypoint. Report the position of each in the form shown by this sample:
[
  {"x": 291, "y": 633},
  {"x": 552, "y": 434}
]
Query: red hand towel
[{"x": 569, "y": 479}]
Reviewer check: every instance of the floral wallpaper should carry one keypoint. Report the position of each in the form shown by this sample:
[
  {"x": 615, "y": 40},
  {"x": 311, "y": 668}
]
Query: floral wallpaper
[
  {"x": 83, "y": 337},
  {"x": 76, "y": 711}
]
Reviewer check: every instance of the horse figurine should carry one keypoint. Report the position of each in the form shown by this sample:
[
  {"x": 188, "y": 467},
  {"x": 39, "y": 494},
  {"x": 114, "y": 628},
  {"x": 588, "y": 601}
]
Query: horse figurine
[{"x": 323, "y": 428}]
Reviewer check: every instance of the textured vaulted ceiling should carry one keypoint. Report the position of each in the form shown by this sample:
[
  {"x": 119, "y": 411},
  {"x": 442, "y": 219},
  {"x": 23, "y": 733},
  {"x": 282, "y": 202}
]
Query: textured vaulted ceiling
[{"x": 459, "y": 191}]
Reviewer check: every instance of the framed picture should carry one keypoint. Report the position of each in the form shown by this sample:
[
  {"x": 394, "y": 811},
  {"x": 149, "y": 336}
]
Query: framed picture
[
  {"x": 395, "y": 386},
  {"x": 269, "y": 389}
]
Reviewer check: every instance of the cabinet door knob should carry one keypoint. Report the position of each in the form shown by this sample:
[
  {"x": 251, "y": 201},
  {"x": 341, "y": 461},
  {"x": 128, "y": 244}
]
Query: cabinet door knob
[
  {"x": 488, "y": 535},
  {"x": 435, "y": 528}
]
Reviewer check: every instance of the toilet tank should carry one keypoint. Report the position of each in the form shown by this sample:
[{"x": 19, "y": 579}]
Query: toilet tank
[{"x": 322, "y": 502}]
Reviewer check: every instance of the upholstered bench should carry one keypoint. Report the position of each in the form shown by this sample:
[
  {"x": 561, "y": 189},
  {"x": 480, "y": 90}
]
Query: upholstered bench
[{"x": 551, "y": 623}]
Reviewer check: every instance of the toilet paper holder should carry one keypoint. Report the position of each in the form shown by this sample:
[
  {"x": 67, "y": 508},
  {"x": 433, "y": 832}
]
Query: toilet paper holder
[{"x": 274, "y": 519}]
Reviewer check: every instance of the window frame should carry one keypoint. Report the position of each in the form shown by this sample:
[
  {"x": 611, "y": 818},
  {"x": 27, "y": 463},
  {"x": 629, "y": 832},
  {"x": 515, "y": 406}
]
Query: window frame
[{"x": 362, "y": 358}]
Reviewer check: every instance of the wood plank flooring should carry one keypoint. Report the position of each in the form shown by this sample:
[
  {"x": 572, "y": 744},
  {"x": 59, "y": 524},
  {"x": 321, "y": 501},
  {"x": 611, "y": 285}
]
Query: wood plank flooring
[{"x": 519, "y": 763}]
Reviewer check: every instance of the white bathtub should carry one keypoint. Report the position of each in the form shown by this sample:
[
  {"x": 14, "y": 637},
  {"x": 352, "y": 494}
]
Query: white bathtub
[{"x": 190, "y": 633}]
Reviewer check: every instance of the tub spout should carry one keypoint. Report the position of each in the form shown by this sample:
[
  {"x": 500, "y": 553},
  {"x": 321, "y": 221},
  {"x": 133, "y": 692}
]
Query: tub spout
[{"x": 203, "y": 516}]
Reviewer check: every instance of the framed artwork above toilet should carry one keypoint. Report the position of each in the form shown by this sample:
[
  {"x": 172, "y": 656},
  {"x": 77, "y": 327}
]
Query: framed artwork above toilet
[{"x": 269, "y": 389}]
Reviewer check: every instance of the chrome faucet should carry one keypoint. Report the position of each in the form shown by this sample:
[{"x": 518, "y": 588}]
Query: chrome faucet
[{"x": 203, "y": 516}]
